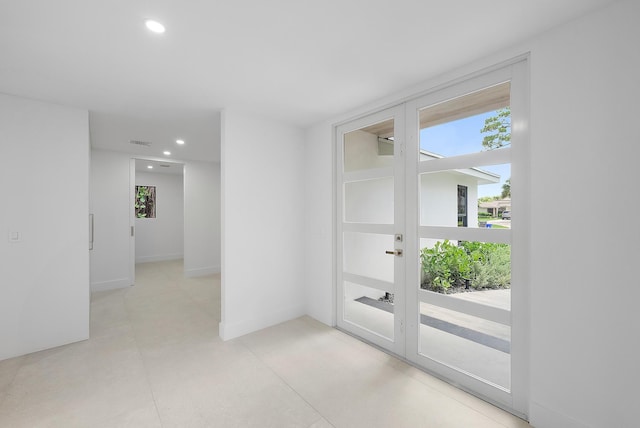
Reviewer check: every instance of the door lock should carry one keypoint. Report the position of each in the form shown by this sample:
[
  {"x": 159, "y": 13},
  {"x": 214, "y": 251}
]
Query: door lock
[{"x": 395, "y": 253}]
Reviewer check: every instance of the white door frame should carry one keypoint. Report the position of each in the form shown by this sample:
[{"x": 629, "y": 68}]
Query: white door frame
[
  {"x": 132, "y": 210},
  {"x": 132, "y": 221}
]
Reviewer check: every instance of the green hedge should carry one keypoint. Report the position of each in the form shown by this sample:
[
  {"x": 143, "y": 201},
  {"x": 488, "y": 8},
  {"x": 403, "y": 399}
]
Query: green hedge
[{"x": 478, "y": 265}]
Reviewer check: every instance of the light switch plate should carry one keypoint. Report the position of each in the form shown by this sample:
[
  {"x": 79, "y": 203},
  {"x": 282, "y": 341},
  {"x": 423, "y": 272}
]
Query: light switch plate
[{"x": 15, "y": 237}]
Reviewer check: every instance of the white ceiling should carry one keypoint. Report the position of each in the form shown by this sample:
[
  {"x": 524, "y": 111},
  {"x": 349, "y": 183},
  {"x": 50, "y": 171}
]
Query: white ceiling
[
  {"x": 199, "y": 130},
  {"x": 159, "y": 167},
  {"x": 293, "y": 60}
]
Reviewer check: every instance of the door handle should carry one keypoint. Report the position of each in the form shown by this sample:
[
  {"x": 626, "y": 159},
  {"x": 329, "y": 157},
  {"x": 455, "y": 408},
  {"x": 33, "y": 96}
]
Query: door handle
[
  {"x": 395, "y": 253},
  {"x": 90, "y": 231}
]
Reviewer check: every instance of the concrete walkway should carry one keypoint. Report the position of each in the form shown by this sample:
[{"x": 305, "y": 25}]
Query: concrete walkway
[{"x": 496, "y": 298}]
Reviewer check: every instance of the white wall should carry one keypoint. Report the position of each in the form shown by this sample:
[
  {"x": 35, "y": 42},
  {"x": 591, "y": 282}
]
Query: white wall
[
  {"x": 162, "y": 237},
  {"x": 110, "y": 205},
  {"x": 584, "y": 288},
  {"x": 110, "y": 198},
  {"x": 44, "y": 278},
  {"x": 263, "y": 190},
  {"x": 202, "y": 245}
]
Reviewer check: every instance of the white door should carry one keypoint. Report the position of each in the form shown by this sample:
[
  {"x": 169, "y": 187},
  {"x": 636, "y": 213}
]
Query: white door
[
  {"x": 459, "y": 287},
  {"x": 370, "y": 226}
]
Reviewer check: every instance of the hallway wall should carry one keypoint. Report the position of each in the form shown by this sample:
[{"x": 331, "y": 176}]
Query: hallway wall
[
  {"x": 161, "y": 238},
  {"x": 262, "y": 201},
  {"x": 44, "y": 273},
  {"x": 110, "y": 205},
  {"x": 202, "y": 218}
]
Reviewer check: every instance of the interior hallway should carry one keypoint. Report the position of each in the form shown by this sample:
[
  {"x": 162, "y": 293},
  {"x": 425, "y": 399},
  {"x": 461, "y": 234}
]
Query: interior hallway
[{"x": 155, "y": 360}]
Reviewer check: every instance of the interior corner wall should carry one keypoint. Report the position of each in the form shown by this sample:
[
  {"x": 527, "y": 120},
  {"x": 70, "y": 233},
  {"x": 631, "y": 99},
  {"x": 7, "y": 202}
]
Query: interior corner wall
[
  {"x": 110, "y": 205},
  {"x": 262, "y": 224},
  {"x": 583, "y": 149},
  {"x": 318, "y": 223},
  {"x": 44, "y": 187},
  {"x": 162, "y": 238},
  {"x": 201, "y": 218}
]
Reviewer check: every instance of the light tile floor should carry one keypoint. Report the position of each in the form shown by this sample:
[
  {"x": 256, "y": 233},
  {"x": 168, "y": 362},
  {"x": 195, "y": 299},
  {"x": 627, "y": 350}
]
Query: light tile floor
[{"x": 155, "y": 360}]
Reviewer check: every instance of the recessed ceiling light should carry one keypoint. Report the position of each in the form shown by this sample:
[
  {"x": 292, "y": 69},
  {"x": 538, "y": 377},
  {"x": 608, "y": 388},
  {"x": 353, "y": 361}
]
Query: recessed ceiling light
[
  {"x": 166, "y": 152},
  {"x": 150, "y": 166},
  {"x": 154, "y": 26},
  {"x": 181, "y": 142}
]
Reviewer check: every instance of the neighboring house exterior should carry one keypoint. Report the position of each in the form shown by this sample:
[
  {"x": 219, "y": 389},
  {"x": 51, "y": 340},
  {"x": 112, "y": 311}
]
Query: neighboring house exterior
[
  {"x": 495, "y": 208},
  {"x": 451, "y": 198}
]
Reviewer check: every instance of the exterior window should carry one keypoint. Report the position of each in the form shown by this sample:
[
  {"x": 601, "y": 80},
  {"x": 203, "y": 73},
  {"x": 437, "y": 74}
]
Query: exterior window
[
  {"x": 145, "y": 203},
  {"x": 462, "y": 206}
]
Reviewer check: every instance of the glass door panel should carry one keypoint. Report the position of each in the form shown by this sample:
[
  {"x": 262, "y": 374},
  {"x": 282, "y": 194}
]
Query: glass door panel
[
  {"x": 466, "y": 343},
  {"x": 367, "y": 308},
  {"x": 365, "y": 255},
  {"x": 369, "y": 201},
  {"x": 463, "y": 320},
  {"x": 370, "y": 259}
]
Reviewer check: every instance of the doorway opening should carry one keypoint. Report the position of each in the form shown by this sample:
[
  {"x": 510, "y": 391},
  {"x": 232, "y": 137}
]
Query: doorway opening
[{"x": 157, "y": 233}]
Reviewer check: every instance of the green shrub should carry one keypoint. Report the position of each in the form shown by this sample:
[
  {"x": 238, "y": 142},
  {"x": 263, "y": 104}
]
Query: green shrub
[
  {"x": 491, "y": 264},
  {"x": 484, "y": 215},
  {"x": 445, "y": 265},
  {"x": 478, "y": 264}
]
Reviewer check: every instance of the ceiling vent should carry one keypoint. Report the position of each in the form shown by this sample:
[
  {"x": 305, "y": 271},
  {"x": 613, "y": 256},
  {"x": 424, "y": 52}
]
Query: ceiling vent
[
  {"x": 140, "y": 143},
  {"x": 165, "y": 165}
]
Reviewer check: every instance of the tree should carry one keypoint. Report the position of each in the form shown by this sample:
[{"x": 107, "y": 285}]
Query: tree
[
  {"x": 498, "y": 128},
  {"x": 506, "y": 189}
]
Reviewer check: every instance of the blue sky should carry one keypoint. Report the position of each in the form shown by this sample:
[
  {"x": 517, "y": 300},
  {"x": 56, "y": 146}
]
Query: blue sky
[{"x": 460, "y": 137}]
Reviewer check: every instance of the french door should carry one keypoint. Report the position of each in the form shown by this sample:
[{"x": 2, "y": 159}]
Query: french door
[
  {"x": 371, "y": 272},
  {"x": 426, "y": 266}
]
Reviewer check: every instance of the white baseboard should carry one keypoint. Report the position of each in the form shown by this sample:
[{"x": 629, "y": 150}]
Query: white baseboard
[
  {"x": 30, "y": 348},
  {"x": 231, "y": 331},
  {"x": 210, "y": 270},
  {"x": 543, "y": 417},
  {"x": 158, "y": 258},
  {"x": 111, "y": 285}
]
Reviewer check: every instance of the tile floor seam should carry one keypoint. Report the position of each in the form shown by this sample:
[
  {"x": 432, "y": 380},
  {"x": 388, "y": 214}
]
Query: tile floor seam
[
  {"x": 144, "y": 363},
  {"x": 289, "y": 386}
]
